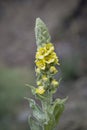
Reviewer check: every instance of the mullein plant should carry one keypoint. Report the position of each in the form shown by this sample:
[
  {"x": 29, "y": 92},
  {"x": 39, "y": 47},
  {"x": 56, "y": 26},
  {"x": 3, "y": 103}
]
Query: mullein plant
[{"x": 45, "y": 116}]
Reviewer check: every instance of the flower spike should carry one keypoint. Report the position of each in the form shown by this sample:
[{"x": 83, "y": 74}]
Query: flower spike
[{"x": 46, "y": 116}]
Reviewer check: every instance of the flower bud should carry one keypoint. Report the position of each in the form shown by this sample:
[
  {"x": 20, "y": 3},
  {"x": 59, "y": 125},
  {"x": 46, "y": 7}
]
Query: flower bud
[
  {"x": 53, "y": 70},
  {"x": 40, "y": 90},
  {"x": 39, "y": 83},
  {"x": 44, "y": 78},
  {"x": 54, "y": 83}
]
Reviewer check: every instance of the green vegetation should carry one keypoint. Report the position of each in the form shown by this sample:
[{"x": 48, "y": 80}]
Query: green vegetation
[{"x": 12, "y": 91}]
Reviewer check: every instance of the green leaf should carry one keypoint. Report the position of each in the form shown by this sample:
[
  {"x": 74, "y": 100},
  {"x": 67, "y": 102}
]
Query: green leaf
[
  {"x": 37, "y": 111},
  {"x": 54, "y": 112},
  {"x": 41, "y": 33},
  {"x": 51, "y": 122},
  {"x": 34, "y": 125},
  {"x": 41, "y": 97},
  {"x": 53, "y": 90},
  {"x": 49, "y": 126},
  {"x": 58, "y": 108}
]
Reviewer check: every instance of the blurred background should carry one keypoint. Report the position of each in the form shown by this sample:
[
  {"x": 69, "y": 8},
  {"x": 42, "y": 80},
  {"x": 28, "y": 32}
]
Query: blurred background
[{"x": 67, "y": 24}]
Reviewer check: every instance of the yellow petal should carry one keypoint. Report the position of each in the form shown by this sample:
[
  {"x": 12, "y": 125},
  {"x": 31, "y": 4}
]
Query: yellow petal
[{"x": 40, "y": 64}]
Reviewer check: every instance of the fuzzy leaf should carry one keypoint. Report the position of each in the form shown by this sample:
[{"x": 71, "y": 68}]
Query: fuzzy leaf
[
  {"x": 58, "y": 108},
  {"x": 37, "y": 112},
  {"x": 50, "y": 124},
  {"x": 54, "y": 112},
  {"x": 34, "y": 125},
  {"x": 41, "y": 33}
]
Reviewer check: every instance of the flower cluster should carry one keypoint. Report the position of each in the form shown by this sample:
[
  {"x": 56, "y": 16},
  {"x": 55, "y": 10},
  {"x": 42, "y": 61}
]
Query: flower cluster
[{"x": 46, "y": 59}]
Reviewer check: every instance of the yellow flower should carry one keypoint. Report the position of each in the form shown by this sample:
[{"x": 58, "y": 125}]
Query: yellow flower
[
  {"x": 41, "y": 53},
  {"x": 40, "y": 64},
  {"x": 51, "y": 58},
  {"x": 55, "y": 83},
  {"x": 40, "y": 90},
  {"x": 49, "y": 48},
  {"x": 53, "y": 70},
  {"x": 45, "y": 50},
  {"x": 44, "y": 78}
]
